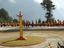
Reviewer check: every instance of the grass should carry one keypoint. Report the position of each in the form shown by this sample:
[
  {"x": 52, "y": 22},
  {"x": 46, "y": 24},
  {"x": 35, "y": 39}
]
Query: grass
[{"x": 31, "y": 40}]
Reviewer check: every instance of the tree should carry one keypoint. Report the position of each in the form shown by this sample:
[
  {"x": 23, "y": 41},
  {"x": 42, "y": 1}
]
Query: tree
[
  {"x": 4, "y": 15},
  {"x": 10, "y": 19},
  {"x": 39, "y": 21},
  {"x": 1, "y": 20},
  {"x": 48, "y": 6},
  {"x": 15, "y": 20}
]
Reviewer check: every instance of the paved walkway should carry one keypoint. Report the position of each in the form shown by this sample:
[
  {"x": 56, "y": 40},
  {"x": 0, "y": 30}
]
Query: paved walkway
[
  {"x": 51, "y": 38},
  {"x": 31, "y": 28}
]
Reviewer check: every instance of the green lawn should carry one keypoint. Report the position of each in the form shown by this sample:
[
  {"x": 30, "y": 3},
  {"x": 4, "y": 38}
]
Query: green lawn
[{"x": 31, "y": 40}]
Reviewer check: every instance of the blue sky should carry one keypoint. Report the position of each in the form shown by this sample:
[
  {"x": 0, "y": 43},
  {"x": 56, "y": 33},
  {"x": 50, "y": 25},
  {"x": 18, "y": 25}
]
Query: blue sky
[{"x": 31, "y": 9}]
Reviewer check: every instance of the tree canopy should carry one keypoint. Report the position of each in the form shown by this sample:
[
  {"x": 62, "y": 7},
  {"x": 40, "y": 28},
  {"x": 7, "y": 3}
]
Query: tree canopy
[
  {"x": 39, "y": 21},
  {"x": 48, "y": 6},
  {"x": 15, "y": 20},
  {"x": 4, "y": 16}
]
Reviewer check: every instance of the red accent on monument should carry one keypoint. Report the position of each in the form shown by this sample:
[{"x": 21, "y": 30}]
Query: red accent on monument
[{"x": 21, "y": 38}]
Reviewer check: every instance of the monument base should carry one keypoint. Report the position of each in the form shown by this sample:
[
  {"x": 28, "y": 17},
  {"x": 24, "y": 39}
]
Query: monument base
[{"x": 21, "y": 38}]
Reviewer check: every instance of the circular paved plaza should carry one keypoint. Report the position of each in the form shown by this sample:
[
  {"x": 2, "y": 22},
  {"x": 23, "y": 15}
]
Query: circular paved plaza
[{"x": 52, "y": 38}]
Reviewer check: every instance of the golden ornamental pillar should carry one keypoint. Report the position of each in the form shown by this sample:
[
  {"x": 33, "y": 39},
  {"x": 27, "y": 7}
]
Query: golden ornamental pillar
[{"x": 20, "y": 26}]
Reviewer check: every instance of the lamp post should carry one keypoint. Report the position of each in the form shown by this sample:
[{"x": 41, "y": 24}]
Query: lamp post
[{"x": 20, "y": 26}]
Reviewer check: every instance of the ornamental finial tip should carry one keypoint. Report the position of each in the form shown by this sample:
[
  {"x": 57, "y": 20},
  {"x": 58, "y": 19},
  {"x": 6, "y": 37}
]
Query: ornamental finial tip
[{"x": 20, "y": 12}]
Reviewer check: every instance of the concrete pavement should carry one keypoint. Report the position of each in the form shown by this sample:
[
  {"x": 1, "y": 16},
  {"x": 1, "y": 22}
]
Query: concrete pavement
[
  {"x": 51, "y": 39},
  {"x": 38, "y": 28}
]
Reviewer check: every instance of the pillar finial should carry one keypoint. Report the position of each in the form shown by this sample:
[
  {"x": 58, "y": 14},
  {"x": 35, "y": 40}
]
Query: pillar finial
[{"x": 20, "y": 14}]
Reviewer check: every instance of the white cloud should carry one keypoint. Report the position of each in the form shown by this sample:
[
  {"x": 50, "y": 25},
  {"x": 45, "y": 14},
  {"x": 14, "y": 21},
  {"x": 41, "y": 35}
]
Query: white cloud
[
  {"x": 12, "y": 1},
  {"x": 59, "y": 3},
  {"x": 38, "y": 1}
]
